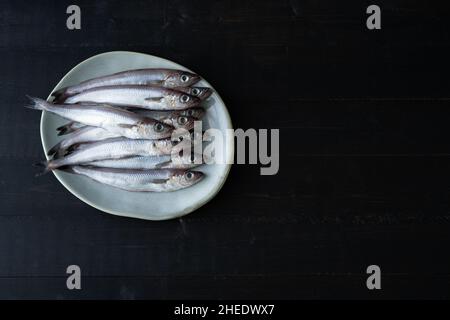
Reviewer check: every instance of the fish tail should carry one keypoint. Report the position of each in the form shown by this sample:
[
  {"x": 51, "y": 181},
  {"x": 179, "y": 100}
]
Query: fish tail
[
  {"x": 45, "y": 165},
  {"x": 55, "y": 149},
  {"x": 60, "y": 95},
  {"x": 65, "y": 129},
  {"x": 60, "y": 153},
  {"x": 37, "y": 104}
]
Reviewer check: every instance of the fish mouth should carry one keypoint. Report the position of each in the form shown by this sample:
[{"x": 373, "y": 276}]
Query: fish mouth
[
  {"x": 198, "y": 113},
  {"x": 198, "y": 176},
  {"x": 206, "y": 94},
  {"x": 165, "y": 135},
  {"x": 194, "y": 79},
  {"x": 195, "y": 101},
  {"x": 189, "y": 125}
]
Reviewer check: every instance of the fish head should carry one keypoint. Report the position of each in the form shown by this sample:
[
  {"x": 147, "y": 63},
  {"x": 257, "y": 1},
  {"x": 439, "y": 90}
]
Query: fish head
[
  {"x": 196, "y": 112},
  {"x": 185, "y": 101},
  {"x": 181, "y": 79},
  {"x": 176, "y": 100},
  {"x": 154, "y": 129},
  {"x": 184, "y": 122},
  {"x": 201, "y": 92},
  {"x": 187, "y": 178},
  {"x": 186, "y": 160}
]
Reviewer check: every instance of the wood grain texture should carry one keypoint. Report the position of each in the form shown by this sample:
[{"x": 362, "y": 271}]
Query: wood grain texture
[{"x": 364, "y": 166}]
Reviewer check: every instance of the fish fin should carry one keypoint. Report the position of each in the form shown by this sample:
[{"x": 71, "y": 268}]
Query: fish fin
[
  {"x": 67, "y": 128},
  {"x": 60, "y": 95},
  {"x": 54, "y": 149},
  {"x": 155, "y": 99},
  {"x": 60, "y": 153},
  {"x": 162, "y": 164},
  {"x": 66, "y": 151},
  {"x": 78, "y": 146},
  {"x": 36, "y": 104},
  {"x": 90, "y": 103},
  {"x": 64, "y": 132},
  {"x": 44, "y": 165},
  {"x": 74, "y": 147},
  {"x": 159, "y": 181}
]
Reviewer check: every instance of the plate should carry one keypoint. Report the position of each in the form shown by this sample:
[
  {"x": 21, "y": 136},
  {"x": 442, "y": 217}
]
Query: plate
[{"x": 142, "y": 205}]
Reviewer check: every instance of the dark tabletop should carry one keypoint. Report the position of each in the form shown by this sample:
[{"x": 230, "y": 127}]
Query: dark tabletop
[{"x": 364, "y": 153}]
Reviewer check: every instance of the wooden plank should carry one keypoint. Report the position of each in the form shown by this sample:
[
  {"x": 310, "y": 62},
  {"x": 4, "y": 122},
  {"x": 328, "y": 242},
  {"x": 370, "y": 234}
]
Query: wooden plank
[{"x": 364, "y": 174}]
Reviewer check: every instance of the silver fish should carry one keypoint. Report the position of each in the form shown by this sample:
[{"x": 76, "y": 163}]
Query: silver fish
[
  {"x": 202, "y": 93},
  {"x": 151, "y": 162},
  {"x": 169, "y": 117},
  {"x": 168, "y": 78},
  {"x": 114, "y": 148},
  {"x": 160, "y": 180},
  {"x": 147, "y": 97},
  {"x": 81, "y": 135},
  {"x": 116, "y": 120}
]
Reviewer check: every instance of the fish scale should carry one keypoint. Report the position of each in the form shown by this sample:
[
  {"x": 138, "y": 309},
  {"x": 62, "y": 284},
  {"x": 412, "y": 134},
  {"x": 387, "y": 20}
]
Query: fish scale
[
  {"x": 167, "y": 117},
  {"x": 168, "y": 78},
  {"x": 82, "y": 135},
  {"x": 115, "y": 148},
  {"x": 140, "y": 180},
  {"x": 150, "y": 162},
  {"x": 147, "y": 97},
  {"x": 123, "y": 122}
]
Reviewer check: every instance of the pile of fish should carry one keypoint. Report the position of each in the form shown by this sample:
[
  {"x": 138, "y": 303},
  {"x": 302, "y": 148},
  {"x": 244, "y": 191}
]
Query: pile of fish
[{"x": 121, "y": 129}]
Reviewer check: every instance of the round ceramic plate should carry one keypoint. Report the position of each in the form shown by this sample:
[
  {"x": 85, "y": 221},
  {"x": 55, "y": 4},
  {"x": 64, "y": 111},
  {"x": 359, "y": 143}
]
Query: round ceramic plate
[{"x": 143, "y": 205}]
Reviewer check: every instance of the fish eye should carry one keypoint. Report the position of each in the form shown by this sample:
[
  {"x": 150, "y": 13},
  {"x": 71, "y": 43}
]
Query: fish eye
[
  {"x": 190, "y": 112},
  {"x": 195, "y": 91},
  {"x": 159, "y": 127},
  {"x": 182, "y": 120},
  {"x": 184, "y": 78},
  {"x": 184, "y": 98},
  {"x": 189, "y": 175}
]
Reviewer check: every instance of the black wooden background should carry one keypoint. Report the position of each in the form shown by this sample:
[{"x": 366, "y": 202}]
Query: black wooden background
[{"x": 364, "y": 171}]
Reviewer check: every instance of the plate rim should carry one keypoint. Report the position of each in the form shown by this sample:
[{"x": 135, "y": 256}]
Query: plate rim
[{"x": 218, "y": 187}]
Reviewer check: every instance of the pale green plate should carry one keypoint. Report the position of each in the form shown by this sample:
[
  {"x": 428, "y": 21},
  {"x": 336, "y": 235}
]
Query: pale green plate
[{"x": 150, "y": 206}]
